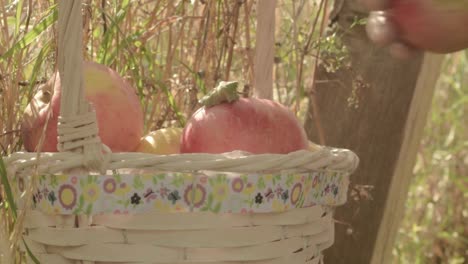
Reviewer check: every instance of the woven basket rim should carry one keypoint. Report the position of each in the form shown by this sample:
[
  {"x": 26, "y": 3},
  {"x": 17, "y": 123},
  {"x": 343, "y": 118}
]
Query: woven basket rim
[{"x": 323, "y": 159}]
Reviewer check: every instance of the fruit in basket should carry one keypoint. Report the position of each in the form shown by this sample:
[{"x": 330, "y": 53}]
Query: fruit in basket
[
  {"x": 434, "y": 25},
  {"x": 314, "y": 147},
  {"x": 164, "y": 141},
  {"x": 118, "y": 110},
  {"x": 226, "y": 123}
]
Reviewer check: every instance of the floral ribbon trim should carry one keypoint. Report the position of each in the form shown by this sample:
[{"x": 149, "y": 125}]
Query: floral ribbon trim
[{"x": 185, "y": 192}]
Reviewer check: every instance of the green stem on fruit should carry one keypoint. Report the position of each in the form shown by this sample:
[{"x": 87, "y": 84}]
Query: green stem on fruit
[{"x": 225, "y": 92}]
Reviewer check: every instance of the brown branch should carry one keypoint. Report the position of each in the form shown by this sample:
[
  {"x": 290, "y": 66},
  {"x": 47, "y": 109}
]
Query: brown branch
[{"x": 232, "y": 41}]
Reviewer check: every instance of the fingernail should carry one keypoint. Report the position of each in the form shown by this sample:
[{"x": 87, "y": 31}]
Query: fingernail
[{"x": 380, "y": 29}]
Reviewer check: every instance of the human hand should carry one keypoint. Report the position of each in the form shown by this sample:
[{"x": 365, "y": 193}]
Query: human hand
[{"x": 406, "y": 26}]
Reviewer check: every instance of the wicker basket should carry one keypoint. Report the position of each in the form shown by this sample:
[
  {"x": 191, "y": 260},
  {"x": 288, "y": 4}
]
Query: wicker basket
[{"x": 188, "y": 208}]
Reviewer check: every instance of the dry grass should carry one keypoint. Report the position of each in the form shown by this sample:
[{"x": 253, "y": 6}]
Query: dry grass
[{"x": 435, "y": 227}]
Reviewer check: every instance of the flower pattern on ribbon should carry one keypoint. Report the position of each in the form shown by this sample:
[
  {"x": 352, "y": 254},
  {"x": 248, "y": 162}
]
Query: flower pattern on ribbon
[{"x": 185, "y": 192}]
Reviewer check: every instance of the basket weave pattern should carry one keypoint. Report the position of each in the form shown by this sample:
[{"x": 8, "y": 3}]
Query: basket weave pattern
[{"x": 297, "y": 236}]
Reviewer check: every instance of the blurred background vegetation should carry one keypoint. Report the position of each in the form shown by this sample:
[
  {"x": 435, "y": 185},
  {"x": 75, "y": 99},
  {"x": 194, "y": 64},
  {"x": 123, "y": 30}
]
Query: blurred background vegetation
[
  {"x": 173, "y": 52},
  {"x": 435, "y": 226}
]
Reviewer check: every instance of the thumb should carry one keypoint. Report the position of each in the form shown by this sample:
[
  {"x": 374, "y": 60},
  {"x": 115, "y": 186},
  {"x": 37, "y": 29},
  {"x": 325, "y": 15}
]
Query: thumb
[{"x": 373, "y": 5}]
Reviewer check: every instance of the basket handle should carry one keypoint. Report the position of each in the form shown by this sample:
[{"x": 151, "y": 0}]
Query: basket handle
[
  {"x": 264, "y": 49},
  {"x": 77, "y": 128}
]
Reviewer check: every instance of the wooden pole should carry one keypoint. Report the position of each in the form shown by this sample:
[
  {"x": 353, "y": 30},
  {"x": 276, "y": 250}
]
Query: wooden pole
[
  {"x": 412, "y": 134},
  {"x": 264, "y": 49},
  {"x": 377, "y": 108}
]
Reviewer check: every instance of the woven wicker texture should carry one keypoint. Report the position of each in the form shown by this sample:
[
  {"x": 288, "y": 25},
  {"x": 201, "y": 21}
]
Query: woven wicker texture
[
  {"x": 303, "y": 160},
  {"x": 296, "y": 236}
]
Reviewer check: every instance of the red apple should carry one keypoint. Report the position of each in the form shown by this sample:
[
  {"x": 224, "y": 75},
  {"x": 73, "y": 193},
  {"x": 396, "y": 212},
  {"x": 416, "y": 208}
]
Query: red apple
[
  {"x": 435, "y": 25},
  {"x": 118, "y": 111},
  {"x": 247, "y": 124}
]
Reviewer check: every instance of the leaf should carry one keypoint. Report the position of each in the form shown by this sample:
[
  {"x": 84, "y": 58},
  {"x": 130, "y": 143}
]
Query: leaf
[
  {"x": 300, "y": 202},
  {"x": 217, "y": 208},
  {"x": 224, "y": 92},
  {"x": 178, "y": 180},
  {"x": 450, "y": 137},
  {"x": 289, "y": 180},
  {"x": 79, "y": 209},
  {"x": 209, "y": 201},
  {"x": 19, "y": 10},
  {"x": 7, "y": 188},
  {"x": 36, "y": 261},
  {"x": 277, "y": 177},
  {"x": 37, "y": 66},
  {"x": 261, "y": 183},
  {"x": 198, "y": 80},
  {"x": 245, "y": 179},
  {"x": 172, "y": 104},
  {"x": 117, "y": 177},
  {"x": 137, "y": 183},
  {"x": 53, "y": 180},
  {"x": 211, "y": 181},
  {"x": 112, "y": 30},
  {"x": 89, "y": 209},
  {"x": 32, "y": 35},
  {"x": 155, "y": 180}
]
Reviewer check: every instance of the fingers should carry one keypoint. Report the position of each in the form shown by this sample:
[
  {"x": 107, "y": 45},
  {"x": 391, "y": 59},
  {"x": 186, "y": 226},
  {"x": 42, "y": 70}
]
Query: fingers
[
  {"x": 374, "y": 5},
  {"x": 382, "y": 31},
  {"x": 380, "y": 28},
  {"x": 401, "y": 50}
]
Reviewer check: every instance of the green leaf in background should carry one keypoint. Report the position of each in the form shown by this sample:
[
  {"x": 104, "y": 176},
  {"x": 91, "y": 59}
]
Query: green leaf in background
[
  {"x": 19, "y": 10},
  {"x": 11, "y": 203},
  {"x": 198, "y": 80},
  {"x": 112, "y": 30},
  {"x": 6, "y": 185},
  {"x": 32, "y": 35},
  {"x": 137, "y": 183},
  {"x": 172, "y": 104},
  {"x": 45, "y": 50},
  {"x": 36, "y": 261}
]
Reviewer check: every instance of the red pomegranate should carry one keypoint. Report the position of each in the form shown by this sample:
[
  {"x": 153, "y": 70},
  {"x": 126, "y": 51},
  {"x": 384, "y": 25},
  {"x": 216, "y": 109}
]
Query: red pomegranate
[{"x": 248, "y": 124}]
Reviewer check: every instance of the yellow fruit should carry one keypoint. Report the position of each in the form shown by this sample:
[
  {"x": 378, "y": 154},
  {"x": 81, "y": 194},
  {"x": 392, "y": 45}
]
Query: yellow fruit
[
  {"x": 162, "y": 142},
  {"x": 313, "y": 146}
]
